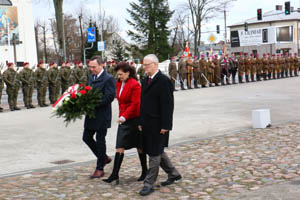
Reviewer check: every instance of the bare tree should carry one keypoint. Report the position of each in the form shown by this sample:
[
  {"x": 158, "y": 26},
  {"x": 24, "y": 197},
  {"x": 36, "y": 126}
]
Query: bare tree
[{"x": 203, "y": 10}]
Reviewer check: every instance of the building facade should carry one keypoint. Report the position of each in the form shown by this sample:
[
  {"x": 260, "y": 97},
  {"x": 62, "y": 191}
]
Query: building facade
[
  {"x": 17, "y": 38},
  {"x": 276, "y": 33}
]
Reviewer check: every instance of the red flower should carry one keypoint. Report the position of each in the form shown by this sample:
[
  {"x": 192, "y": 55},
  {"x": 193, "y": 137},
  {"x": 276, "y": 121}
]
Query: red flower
[
  {"x": 81, "y": 85},
  {"x": 83, "y": 92},
  {"x": 73, "y": 96},
  {"x": 88, "y": 88}
]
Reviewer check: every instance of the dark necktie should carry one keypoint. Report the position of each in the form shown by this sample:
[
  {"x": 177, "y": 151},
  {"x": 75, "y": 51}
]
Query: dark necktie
[
  {"x": 94, "y": 77},
  {"x": 149, "y": 80}
]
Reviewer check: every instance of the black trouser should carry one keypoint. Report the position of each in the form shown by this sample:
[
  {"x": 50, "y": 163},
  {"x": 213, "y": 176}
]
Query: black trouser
[
  {"x": 234, "y": 71},
  {"x": 98, "y": 147}
]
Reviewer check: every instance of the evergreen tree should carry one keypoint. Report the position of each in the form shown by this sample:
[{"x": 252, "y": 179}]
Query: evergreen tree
[
  {"x": 149, "y": 20},
  {"x": 93, "y": 51},
  {"x": 118, "y": 52}
]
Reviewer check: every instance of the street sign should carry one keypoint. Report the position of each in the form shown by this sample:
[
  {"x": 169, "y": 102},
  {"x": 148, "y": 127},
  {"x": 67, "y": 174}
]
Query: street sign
[
  {"x": 212, "y": 38},
  {"x": 91, "y": 34},
  {"x": 101, "y": 45}
]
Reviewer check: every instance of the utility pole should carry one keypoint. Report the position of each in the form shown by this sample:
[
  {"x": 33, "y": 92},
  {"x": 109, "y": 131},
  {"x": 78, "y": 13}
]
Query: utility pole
[
  {"x": 81, "y": 32},
  {"x": 101, "y": 27},
  {"x": 225, "y": 22},
  {"x": 64, "y": 39}
]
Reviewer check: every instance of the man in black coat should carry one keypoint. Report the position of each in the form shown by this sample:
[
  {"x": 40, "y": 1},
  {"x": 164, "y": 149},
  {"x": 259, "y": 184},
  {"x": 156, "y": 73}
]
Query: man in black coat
[
  {"x": 105, "y": 83},
  {"x": 156, "y": 118}
]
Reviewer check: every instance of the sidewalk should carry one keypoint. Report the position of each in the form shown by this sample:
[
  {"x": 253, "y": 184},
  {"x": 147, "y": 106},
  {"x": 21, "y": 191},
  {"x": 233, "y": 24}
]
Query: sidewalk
[{"x": 254, "y": 164}]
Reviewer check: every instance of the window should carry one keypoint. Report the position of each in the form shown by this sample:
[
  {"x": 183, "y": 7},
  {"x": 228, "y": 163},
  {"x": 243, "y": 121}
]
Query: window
[
  {"x": 265, "y": 35},
  {"x": 284, "y": 34},
  {"x": 5, "y": 3}
]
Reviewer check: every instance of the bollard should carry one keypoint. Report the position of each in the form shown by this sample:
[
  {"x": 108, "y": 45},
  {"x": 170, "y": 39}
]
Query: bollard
[{"x": 261, "y": 118}]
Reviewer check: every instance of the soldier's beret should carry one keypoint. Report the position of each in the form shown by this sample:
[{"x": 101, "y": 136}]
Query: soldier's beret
[
  {"x": 269, "y": 54},
  {"x": 202, "y": 56},
  {"x": 52, "y": 63},
  {"x": 264, "y": 54},
  {"x": 241, "y": 53},
  {"x": 251, "y": 54},
  {"x": 295, "y": 54},
  {"x": 25, "y": 63},
  {"x": 246, "y": 54},
  {"x": 278, "y": 55},
  {"x": 68, "y": 62},
  {"x": 10, "y": 64},
  {"x": 273, "y": 55}
]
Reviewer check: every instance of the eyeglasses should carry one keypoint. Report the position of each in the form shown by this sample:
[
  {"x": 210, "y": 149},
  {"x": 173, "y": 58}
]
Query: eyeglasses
[{"x": 148, "y": 64}]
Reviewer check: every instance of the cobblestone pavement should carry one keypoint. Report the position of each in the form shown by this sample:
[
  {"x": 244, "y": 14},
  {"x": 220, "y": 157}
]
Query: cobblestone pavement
[{"x": 222, "y": 167}]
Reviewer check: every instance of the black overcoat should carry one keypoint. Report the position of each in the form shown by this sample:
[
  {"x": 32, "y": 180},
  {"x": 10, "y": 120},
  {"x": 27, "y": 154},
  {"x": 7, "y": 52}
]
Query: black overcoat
[
  {"x": 157, "y": 106},
  {"x": 105, "y": 84}
]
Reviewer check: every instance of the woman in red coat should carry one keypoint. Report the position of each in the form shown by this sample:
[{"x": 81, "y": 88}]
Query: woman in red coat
[{"x": 128, "y": 136}]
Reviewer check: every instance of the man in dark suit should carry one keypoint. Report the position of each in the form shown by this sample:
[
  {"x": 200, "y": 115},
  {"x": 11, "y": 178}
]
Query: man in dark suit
[
  {"x": 105, "y": 83},
  {"x": 156, "y": 118}
]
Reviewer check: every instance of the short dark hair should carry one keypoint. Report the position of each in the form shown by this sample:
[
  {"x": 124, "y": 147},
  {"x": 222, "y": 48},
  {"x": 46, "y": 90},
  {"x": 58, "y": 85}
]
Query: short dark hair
[
  {"x": 125, "y": 67},
  {"x": 98, "y": 59}
]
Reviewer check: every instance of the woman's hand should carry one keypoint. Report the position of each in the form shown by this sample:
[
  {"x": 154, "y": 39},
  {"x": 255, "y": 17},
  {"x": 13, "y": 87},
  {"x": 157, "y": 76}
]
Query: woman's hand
[{"x": 121, "y": 120}]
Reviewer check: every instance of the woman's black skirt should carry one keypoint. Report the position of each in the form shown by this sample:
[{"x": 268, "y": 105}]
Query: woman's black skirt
[{"x": 128, "y": 135}]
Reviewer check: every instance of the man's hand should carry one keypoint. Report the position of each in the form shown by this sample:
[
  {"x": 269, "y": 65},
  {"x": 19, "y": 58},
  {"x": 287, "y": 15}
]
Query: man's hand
[
  {"x": 140, "y": 128},
  {"x": 163, "y": 131},
  {"x": 121, "y": 120}
]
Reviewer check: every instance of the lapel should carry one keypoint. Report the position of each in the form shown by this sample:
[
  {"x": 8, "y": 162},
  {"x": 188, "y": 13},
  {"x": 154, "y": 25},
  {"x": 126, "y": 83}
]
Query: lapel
[
  {"x": 153, "y": 81},
  {"x": 101, "y": 77}
]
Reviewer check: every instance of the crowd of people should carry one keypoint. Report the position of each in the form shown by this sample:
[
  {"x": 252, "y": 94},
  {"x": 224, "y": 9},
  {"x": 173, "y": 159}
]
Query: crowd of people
[{"x": 228, "y": 70}]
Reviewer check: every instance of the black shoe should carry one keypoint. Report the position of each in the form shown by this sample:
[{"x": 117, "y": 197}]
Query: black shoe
[
  {"x": 16, "y": 108},
  {"x": 1, "y": 109},
  {"x": 170, "y": 181},
  {"x": 45, "y": 105},
  {"x": 146, "y": 191},
  {"x": 12, "y": 109},
  {"x": 31, "y": 106}
]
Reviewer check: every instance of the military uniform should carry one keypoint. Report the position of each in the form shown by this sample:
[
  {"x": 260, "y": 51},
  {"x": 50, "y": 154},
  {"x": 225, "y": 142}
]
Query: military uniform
[
  {"x": 203, "y": 72},
  {"x": 12, "y": 81},
  {"x": 265, "y": 67},
  {"x": 259, "y": 68},
  {"x": 271, "y": 67},
  {"x": 225, "y": 70},
  {"x": 189, "y": 67},
  {"x": 210, "y": 72},
  {"x": 291, "y": 65},
  {"x": 42, "y": 84},
  {"x": 182, "y": 72},
  {"x": 217, "y": 71},
  {"x": 54, "y": 82},
  {"x": 80, "y": 76},
  {"x": 286, "y": 66},
  {"x": 65, "y": 75},
  {"x": 233, "y": 68},
  {"x": 247, "y": 67},
  {"x": 28, "y": 81},
  {"x": 241, "y": 68},
  {"x": 1, "y": 88},
  {"x": 252, "y": 68},
  {"x": 173, "y": 73},
  {"x": 196, "y": 73},
  {"x": 296, "y": 65}
]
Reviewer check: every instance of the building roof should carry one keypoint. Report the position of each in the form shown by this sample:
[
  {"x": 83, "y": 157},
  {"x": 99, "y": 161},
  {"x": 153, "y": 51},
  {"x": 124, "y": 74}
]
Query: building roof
[
  {"x": 271, "y": 16},
  {"x": 5, "y": 3}
]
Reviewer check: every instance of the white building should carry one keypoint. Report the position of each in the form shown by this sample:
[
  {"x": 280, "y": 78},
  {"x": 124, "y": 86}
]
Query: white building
[
  {"x": 16, "y": 18},
  {"x": 275, "y": 33}
]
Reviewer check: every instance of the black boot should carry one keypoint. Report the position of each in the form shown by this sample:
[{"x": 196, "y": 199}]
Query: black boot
[
  {"x": 181, "y": 85},
  {"x": 247, "y": 78},
  {"x": 240, "y": 79},
  {"x": 195, "y": 84},
  {"x": 117, "y": 165},
  {"x": 143, "y": 161}
]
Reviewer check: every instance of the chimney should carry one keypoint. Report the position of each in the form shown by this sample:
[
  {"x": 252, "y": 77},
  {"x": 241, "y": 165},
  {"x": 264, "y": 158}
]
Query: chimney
[
  {"x": 279, "y": 7},
  {"x": 292, "y": 9}
]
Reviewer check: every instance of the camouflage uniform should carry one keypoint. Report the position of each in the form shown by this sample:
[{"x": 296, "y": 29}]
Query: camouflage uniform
[
  {"x": 1, "y": 88},
  {"x": 265, "y": 67},
  {"x": 217, "y": 72},
  {"x": 42, "y": 84},
  {"x": 210, "y": 72},
  {"x": 225, "y": 70},
  {"x": 80, "y": 76},
  {"x": 196, "y": 72},
  {"x": 189, "y": 67},
  {"x": 296, "y": 66},
  {"x": 203, "y": 72},
  {"x": 259, "y": 66},
  {"x": 247, "y": 67},
  {"x": 241, "y": 68},
  {"x": 28, "y": 81},
  {"x": 286, "y": 66},
  {"x": 291, "y": 66},
  {"x": 253, "y": 68},
  {"x": 172, "y": 69},
  {"x": 65, "y": 75},
  {"x": 53, "y": 76},
  {"x": 12, "y": 81},
  {"x": 182, "y": 72}
]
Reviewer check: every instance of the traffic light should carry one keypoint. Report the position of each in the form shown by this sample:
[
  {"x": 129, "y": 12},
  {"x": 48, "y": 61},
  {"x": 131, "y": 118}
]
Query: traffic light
[
  {"x": 259, "y": 14},
  {"x": 287, "y": 8},
  {"x": 246, "y": 26},
  {"x": 218, "y": 29}
]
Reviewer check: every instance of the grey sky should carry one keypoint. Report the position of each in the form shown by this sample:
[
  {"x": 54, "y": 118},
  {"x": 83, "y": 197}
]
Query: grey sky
[{"x": 240, "y": 10}]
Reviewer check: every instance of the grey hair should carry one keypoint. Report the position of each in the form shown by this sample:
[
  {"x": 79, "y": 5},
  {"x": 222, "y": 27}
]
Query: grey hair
[{"x": 152, "y": 57}]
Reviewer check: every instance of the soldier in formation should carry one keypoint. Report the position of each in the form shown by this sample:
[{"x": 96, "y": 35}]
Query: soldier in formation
[
  {"x": 28, "y": 82},
  {"x": 182, "y": 72},
  {"x": 53, "y": 79},
  {"x": 173, "y": 72},
  {"x": 1, "y": 88},
  {"x": 12, "y": 81},
  {"x": 42, "y": 84}
]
